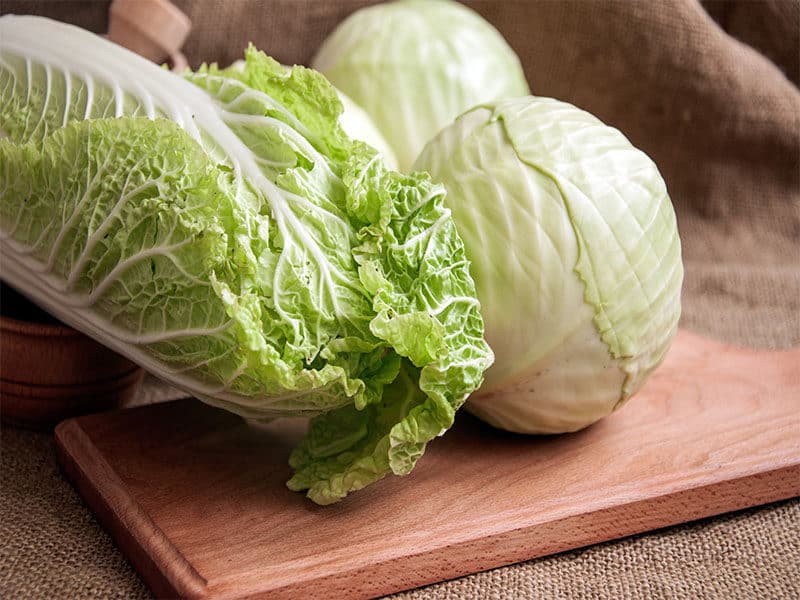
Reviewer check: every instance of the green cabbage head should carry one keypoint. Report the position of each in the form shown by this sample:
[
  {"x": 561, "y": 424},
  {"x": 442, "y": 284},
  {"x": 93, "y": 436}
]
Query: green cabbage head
[
  {"x": 575, "y": 253},
  {"x": 415, "y": 65}
]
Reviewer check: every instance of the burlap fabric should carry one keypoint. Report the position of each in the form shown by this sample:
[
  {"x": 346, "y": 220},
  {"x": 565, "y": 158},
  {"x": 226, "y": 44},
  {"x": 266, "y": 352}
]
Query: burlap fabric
[{"x": 710, "y": 92}]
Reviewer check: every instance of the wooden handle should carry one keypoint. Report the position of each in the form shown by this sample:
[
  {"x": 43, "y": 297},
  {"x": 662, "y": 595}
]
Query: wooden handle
[{"x": 156, "y": 29}]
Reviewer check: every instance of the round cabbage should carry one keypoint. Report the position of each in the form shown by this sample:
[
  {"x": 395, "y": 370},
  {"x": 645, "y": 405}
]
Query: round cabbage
[
  {"x": 575, "y": 253},
  {"x": 415, "y": 65}
]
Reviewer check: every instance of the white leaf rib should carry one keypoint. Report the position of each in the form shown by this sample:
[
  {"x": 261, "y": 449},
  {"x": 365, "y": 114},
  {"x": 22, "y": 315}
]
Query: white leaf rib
[
  {"x": 167, "y": 336},
  {"x": 29, "y": 80},
  {"x": 124, "y": 265},
  {"x": 425, "y": 233},
  {"x": 78, "y": 208},
  {"x": 274, "y": 163},
  {"x": 248, "y": 93},
  {"x": 48, "y": 88},
  {"x": 33, "y": 247},
  {"x": 297, "y": 199},
  {"x": 360, "y": 179},
  {"x": 276, "y": 285},
  {"x": 68, "y": 99},
  {"x": 264, "y": 120},
  {"x": 236, "y": 374},
  {"x": 89, "y": 82},
  {"x": 202, "y": 363},
  {"x": 104, "y": 226},
  {"x": 325, "y": 267},
  {"x": 18, "y": 220},
  {"x": 119, "y": 98},
  {"x": 454, "y": 300}
]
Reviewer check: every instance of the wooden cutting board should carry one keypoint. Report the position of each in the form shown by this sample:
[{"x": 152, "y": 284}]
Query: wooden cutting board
[{"x": 195, "y": 497}]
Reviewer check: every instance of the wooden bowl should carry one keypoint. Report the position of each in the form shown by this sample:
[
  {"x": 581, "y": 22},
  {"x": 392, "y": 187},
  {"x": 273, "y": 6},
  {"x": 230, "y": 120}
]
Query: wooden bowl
[{"x": 49, "y": 372}]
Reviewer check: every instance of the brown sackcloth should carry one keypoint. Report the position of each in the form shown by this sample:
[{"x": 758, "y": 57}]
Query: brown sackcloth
[{"x": 709, "y": 91}]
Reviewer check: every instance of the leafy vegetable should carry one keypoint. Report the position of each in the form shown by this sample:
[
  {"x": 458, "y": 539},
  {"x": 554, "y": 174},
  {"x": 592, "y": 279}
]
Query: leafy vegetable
[
  {"x": 222, "y": 231},
  {"x": 415, "y": 65},
  {"x": 575, "y": 254}
]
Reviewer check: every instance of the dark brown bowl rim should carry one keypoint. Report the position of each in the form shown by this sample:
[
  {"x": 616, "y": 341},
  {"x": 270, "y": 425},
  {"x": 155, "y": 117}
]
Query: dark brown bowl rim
[{"x": 38, "y": 329}]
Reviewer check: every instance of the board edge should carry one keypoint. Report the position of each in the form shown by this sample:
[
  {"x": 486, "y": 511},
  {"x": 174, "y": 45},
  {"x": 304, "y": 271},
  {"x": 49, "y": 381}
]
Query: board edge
[
  {"x": 414, "y": 570},
  {"x": 140, "y": 540}
]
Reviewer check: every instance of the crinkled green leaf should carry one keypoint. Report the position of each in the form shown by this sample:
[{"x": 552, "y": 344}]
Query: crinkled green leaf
[
  {"x": 226, "y": 234},
  {"x": 425, "y": 306}
]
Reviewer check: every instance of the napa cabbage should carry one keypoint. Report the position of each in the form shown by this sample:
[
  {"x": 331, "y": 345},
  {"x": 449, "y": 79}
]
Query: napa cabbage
[{"x": 221, "y": 230}]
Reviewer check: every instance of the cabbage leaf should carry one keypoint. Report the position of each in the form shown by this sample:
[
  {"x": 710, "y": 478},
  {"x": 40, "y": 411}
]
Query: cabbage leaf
[{"x": 225, "y": 233}]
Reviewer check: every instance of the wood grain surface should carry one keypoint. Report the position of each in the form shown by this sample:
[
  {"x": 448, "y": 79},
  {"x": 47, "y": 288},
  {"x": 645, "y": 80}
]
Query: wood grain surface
[{"x": 195, "y": 497}]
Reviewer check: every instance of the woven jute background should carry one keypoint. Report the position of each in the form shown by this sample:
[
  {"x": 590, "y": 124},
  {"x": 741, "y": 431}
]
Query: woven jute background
[{"x": 710, "y": 92}]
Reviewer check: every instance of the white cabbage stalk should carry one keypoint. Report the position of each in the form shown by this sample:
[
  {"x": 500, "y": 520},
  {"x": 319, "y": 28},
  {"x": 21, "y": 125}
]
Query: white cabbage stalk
[
  {"x": 415, "y": 65},
  {"x": 575, "y": 253}
]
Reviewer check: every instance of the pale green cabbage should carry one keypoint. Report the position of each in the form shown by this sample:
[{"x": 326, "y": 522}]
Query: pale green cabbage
[
  {"x": 222, "y": 231},
  {"x": 575, "y": 254},
  {"x": 415, "y": 65}
]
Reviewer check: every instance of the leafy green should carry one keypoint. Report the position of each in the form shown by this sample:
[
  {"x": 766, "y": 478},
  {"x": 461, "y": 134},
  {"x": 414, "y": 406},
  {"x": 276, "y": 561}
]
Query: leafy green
[{"x": 223, "y": 231}]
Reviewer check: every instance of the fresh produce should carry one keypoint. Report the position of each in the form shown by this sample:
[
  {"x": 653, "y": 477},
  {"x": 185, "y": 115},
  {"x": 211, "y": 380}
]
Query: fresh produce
[
  {"x": 575, "y": 254},
  {"x": 415, "y": 65},
  {"x": 222, "y": 231}
]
